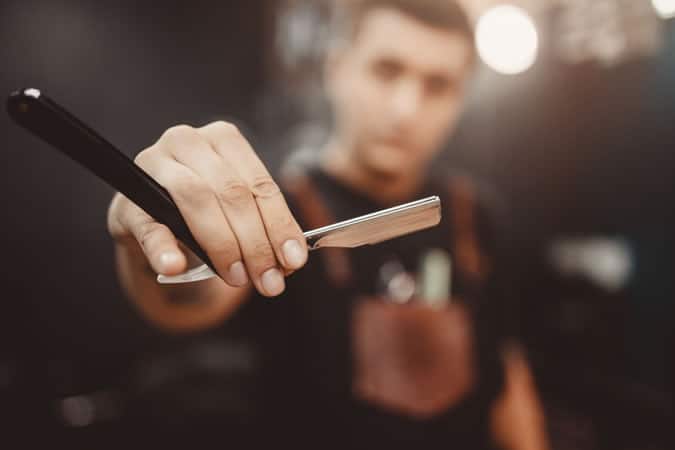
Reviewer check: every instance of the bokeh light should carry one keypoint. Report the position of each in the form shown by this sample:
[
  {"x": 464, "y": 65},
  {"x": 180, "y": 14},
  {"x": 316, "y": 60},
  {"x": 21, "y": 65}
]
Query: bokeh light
[
  {"x": 664, "y": 8},
  {"x": 507, "y": 39}
]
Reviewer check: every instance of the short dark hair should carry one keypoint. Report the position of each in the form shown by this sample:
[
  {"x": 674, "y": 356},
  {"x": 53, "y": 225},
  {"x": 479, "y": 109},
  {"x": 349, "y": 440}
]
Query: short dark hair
[{"x": 443, "y": 14}]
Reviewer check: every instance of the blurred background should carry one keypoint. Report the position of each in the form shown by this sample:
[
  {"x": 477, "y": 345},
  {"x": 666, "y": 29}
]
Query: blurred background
[{"x": 570, "y": 118}]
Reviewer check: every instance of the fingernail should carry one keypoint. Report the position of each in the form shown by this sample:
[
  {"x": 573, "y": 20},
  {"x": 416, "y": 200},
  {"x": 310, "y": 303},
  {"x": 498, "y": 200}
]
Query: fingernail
[
  {"x": 294, "y": 255},
  {"x": 273, "y": 282},
  {"x": 237, "y": 275},
  {"x": 168, "y": 260}
]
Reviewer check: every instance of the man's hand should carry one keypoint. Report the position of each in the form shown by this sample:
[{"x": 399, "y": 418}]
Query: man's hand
[{"x": 231, "y": 204}]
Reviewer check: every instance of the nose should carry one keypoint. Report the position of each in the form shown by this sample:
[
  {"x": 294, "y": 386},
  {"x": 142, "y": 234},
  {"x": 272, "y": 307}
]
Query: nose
[{"x": 406, "y": 101}]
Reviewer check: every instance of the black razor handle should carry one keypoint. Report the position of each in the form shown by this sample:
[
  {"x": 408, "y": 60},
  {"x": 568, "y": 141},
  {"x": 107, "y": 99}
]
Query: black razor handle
[{"x": 46, "y": 119}]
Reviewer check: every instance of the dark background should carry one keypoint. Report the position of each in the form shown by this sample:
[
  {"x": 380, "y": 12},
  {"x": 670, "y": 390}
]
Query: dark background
[
  {"x": 130, "y": 70},
  {"x": 576, "y": 150}
]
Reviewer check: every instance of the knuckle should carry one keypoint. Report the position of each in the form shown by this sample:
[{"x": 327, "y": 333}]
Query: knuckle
[
  {"x": 283, "y": 227},
  {"x": 144, "y": 157},
  {"x": 226, "y": 129},
  {"x": 225, "y": 250},
  {"x": 190, "y": 187},
  {"x": 265, "y": 187},
  {"x": 114, "y": 209},
  {"x": 187, "y": 183},
  {"x": 263, "y": 255},
  {"x": 115, "y": 204},
  {"x": 146, "y": 231},
  {"x": 115, "y": 228},
  {"x": 234, "y": 193},
  {"x": 120, "y": 217},
  {"x": 178, "y": 132}
]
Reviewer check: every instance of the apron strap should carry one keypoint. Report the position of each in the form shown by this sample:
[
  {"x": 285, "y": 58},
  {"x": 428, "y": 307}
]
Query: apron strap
[
  {"x": 467, "y": 252},
  {"x": 315, "y": 214}
]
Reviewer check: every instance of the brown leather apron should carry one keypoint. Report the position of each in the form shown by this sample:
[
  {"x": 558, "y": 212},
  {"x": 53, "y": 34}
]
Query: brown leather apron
[{"x": 408, "y": 359}]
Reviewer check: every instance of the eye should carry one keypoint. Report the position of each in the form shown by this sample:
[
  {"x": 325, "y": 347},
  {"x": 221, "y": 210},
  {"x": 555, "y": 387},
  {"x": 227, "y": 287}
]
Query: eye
[
  {"x": 438, "y": 85},
  {"x": 387, "y": 70}
]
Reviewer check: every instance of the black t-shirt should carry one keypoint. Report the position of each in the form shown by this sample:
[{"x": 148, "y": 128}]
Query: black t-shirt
[{"x": 304, "y": 339}]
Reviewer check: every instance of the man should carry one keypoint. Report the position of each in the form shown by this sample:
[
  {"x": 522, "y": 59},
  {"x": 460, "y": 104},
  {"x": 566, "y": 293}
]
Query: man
[{"x": 343, "y": 365}]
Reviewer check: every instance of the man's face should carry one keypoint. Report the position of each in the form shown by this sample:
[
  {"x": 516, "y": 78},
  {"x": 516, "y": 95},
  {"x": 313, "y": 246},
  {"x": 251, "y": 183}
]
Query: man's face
[{"x": 397, "y": 90}]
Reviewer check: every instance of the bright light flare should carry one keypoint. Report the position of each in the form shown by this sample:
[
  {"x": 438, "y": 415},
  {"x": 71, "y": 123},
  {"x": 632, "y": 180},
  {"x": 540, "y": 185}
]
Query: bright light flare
[
  {"x": 664, "y": 8},
  {"x": 507, "y": 39}
]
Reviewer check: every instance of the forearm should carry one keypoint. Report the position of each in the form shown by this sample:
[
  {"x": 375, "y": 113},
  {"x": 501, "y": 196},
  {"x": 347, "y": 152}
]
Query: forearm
[{"x": 180, "y": 308}]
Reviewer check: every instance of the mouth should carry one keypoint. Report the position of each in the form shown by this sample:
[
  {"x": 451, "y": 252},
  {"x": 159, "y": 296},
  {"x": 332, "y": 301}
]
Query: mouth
[{"x": 394, "y": 142}]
